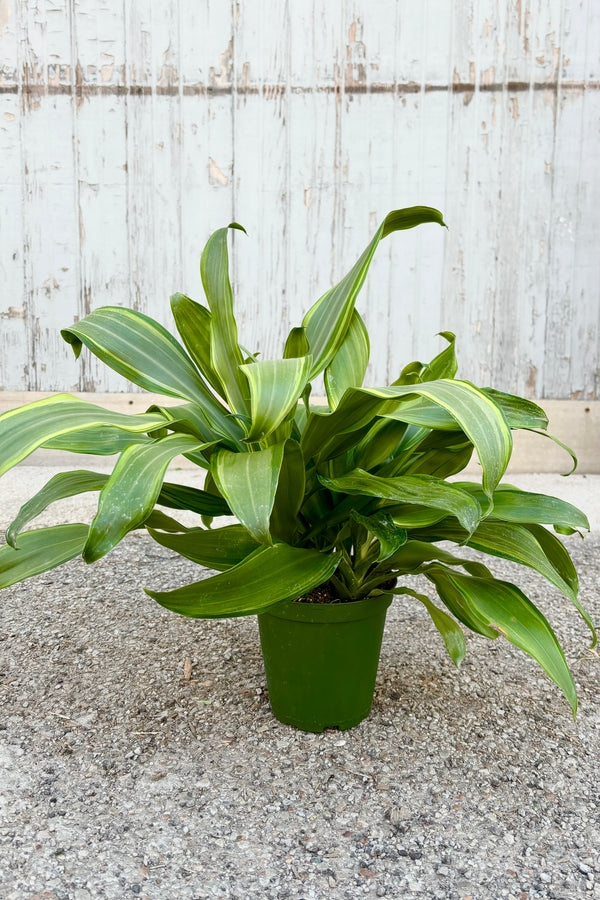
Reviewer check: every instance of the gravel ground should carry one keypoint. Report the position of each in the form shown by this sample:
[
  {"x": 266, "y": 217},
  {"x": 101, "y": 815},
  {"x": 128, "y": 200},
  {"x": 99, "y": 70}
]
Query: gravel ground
[{"x": 139, "y": 757}]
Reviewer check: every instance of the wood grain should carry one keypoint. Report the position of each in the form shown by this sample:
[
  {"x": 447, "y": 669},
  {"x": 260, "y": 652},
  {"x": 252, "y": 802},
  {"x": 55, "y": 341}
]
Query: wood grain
[{"x": 131, "y": 129}]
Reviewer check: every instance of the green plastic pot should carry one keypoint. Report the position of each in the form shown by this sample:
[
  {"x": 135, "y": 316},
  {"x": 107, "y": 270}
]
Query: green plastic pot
[{"x": 321, "y": 660}]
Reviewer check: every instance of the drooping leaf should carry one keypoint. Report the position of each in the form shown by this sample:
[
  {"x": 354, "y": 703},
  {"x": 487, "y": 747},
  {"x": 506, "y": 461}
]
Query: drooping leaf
[
  {"x": 39, "y": 551},
  {"x": 419, "y": 489},
  {"x": 348, "y": 366},
  {"x": 502, "y": 606},
  {"x": 62, "y": 485},
  {"x": 560, "y": 444},
  {"x": 445, "y": 624},
  {"x": 131, "y": 491},
  {"x": 103, "y": 440},
  {"x": 528, "y": 545},
  {"x": 226, "y": 356},
  {"x": 275, "y": 388},
  {"x": 183, "y": 496},
  {"x": 518, "y": 412},
  {"x": 268, "y": 576},
  {"x": 194, "y": 324},
  {"x": 328, "y": 319},
  {"x": 517, "y": 543},
  {"x": 248, "y": 482},
  {"x": 413, "y": 555},
  {"x": 454, "y": 600},
  {"x": 563, "y": 565},
  {"x": 158, "y": 520},
  {"x": 514, "y": 505},
  {"x": 218, "y": 548},
  {"x": 140, "y": 349},
  {"x": 25, "y": 429}
]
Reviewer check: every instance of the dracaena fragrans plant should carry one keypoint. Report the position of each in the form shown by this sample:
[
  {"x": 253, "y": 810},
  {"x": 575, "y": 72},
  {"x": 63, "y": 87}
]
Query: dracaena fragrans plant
[{"x": 353, "y": 495}]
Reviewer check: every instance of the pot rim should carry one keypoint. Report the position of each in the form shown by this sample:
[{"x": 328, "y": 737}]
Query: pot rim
[{"x": 350, "y": 611}]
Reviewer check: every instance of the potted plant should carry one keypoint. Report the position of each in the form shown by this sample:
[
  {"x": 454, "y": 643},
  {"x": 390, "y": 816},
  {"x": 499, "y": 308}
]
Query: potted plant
[{"x": 336, "y": 505}]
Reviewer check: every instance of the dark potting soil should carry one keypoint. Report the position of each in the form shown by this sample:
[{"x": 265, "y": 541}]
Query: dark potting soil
[{"x": 326, "y": 593}]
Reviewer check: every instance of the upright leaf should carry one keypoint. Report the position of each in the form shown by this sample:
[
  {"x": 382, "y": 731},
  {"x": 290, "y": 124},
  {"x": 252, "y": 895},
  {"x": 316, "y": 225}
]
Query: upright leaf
[
  {"x": 226, "y": 355},
  {"x": 194, "y": 324},
  {"x": 275, "y": 388},
  {"x": 296, "y": 344},
  {"x": 348, "y": 366},
  {"x": 381, "y": 525},
  {"x": 328, "y": 319},
  {"x": 289, "y": 495},
  {"x": 444, "y": 365},
  {"x": 248, "y": 482},
  {"x": 379, "y": 443}
]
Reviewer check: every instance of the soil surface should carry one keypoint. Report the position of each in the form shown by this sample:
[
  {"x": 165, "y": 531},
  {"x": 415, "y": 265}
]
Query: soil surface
[{"x": 139, "y": 756}]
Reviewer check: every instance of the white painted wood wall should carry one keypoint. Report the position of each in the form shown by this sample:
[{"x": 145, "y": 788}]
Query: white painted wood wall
[{"x": 130, "y": 129}]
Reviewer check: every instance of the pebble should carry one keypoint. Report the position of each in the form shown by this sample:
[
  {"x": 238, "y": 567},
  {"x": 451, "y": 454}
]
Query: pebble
[{"x": 211, "y": 776}]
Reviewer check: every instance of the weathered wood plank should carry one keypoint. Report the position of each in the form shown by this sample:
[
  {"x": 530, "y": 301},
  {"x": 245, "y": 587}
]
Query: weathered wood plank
[
  {"x": 99, "y": 132},
  {"x": 12, "y": 326},
  {"x": 207, "y": 149},
  {"x": 48, "y": 185},
  {"x": 261, "y": 170},
  {"x": 141, "y": 126}
]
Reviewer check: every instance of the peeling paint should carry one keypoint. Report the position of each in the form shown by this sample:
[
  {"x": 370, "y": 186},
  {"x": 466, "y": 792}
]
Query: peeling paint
[
  {"x": 356, "y": 67},
  {"x": 488, "y": 76},
  {"x": 222, "y": 79},
  {"x": 307, "y": 197},
  {"x": 5, "y": 14},
  {"x": 215, "y": 175},
  {"x": 107, "y": 68}
]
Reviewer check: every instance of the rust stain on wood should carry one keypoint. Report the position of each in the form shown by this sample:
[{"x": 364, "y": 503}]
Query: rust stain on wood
[{"x": 82, "y": 89}]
